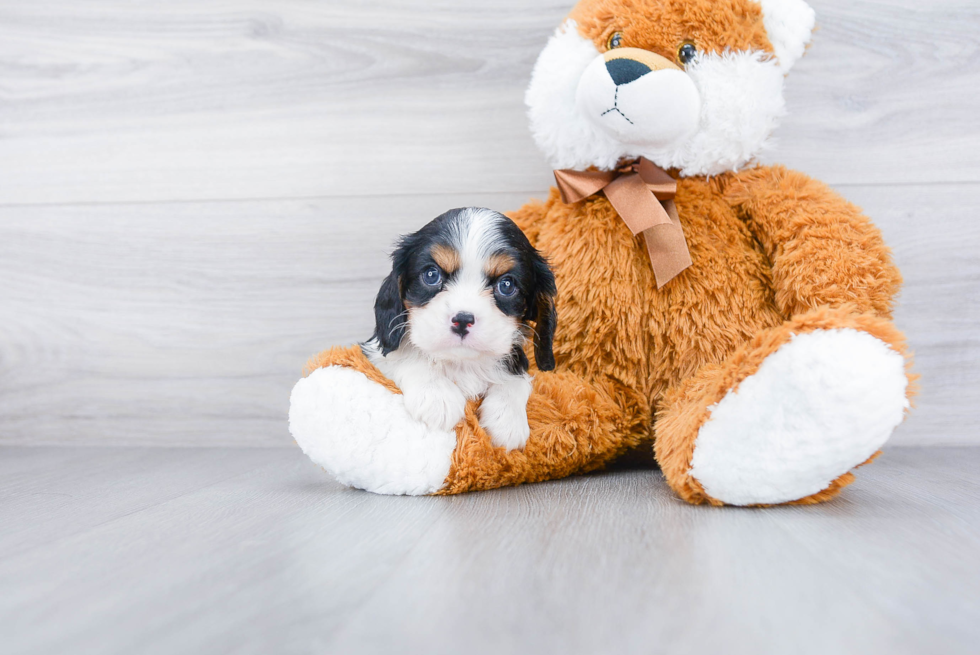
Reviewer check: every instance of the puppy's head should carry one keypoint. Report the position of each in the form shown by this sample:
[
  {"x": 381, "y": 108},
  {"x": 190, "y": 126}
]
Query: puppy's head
[{"x": 463, "y": 287}]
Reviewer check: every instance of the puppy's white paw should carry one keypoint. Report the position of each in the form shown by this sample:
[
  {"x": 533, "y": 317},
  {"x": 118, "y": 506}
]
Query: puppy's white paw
[
  {"x": 437, "y": 403},
  {"x": 503, "y": 413}
]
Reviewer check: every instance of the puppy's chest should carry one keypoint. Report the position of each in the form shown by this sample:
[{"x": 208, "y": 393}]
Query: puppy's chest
[{"x": 472, "y": 378}]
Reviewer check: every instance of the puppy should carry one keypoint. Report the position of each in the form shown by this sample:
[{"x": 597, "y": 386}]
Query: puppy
[{"x": 451, "y": 322}]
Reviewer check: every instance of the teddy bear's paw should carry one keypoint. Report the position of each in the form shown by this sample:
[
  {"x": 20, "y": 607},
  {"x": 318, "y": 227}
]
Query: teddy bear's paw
[
  {"x": 361, "y": 433},
  {"x": 821, "y": 404}
]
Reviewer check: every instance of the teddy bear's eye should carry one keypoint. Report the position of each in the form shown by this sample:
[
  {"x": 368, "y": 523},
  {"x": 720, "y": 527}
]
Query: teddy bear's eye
[
  {"x": 687, "y": 52},
  {"x": 615, "y": 40}
]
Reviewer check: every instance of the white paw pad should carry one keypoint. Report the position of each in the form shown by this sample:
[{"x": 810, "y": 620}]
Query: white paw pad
[
  {"x": 362, "y": 434},
  {"x": 816, "y": 408}
]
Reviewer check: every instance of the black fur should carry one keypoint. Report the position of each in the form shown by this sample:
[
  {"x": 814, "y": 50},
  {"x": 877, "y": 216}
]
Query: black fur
[
  {"x": 408, "y": 261},
  {"x": 542, "y": 310},
  {"x": 517, "y": 362},
  {"x": 388, "y": 314},
  {"x": 538, "y": 291}
]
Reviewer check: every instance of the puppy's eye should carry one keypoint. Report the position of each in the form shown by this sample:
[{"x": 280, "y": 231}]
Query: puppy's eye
[
  {"x": 615, "y": 40},
  {"x": 506, "y": 286},
  {"x": 432, "y": 276},
  {"x": 687, "y": 52}
]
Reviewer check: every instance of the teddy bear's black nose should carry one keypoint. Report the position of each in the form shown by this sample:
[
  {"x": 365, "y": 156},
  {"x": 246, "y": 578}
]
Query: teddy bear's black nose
[{"x": 624, "y": 71}]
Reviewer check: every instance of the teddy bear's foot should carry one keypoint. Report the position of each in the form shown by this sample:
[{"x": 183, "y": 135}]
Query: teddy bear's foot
[
  {"x": 352, "y": 421},
  {"x": 359, "y": 431},
  {"x": 786, "y": 418}
]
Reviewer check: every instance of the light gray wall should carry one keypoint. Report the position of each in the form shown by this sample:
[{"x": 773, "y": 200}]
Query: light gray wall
[{"x": 197, "y": 195}]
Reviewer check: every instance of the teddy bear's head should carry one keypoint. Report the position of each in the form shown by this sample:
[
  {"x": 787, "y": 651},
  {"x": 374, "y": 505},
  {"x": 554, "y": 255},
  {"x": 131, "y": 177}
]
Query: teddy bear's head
[{"x": 695, "y": 85}]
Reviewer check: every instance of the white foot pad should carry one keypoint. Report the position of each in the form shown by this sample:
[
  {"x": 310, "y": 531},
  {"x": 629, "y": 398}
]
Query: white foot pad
[
  {"x": 816, "y": 408},
  {"x": 361, "y": 434}
]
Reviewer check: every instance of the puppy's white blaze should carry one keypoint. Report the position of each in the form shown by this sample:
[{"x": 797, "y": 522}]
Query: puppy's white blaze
[
  {"x": 741, "y": 100},
  {"x": 476, "y": 234}
]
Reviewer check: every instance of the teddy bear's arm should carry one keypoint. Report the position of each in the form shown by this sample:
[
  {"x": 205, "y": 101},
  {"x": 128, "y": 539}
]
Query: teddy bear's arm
[{"x": 823, "y": 250}]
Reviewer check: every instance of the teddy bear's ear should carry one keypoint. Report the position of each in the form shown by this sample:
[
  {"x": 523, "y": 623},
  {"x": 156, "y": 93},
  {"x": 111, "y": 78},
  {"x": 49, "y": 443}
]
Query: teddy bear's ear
[{"x": 789, "y": 24}]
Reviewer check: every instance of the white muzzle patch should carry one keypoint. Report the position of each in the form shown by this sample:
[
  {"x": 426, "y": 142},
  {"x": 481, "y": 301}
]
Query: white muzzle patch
[{"x": 658, "y": 109}]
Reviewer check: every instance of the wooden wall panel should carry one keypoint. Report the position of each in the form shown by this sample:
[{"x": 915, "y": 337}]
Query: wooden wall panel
[
  {"x": 114, "y": 101},
  {"x": 196, "y": 195},
  {"x": 188, "y": 323}
]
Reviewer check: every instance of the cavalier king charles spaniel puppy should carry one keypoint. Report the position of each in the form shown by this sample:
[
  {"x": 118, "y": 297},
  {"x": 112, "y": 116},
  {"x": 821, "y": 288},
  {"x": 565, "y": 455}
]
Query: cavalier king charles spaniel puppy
[{"x": 451, "y": 322}]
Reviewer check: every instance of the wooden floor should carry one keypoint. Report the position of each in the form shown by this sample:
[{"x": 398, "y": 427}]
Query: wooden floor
[{"x": 150, "y": 550}]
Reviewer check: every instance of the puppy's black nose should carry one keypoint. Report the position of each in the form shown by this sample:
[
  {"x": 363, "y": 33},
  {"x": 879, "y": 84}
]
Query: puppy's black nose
[
  {"x": 624, "y": 71},
  {"x": 462, "y": 322}
]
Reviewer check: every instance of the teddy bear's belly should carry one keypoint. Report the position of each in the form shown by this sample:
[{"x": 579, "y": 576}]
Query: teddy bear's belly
[{"x": 614, "y": 322}]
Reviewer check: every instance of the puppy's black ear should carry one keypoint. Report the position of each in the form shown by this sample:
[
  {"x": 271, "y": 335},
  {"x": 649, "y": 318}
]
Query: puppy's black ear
[
  {"x": 541, "y": 309},
  {"x": 388, "y": 315}
]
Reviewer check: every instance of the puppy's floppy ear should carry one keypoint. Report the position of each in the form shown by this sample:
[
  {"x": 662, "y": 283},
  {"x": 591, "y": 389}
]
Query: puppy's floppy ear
[
  {"x": 388, "y": 309},
  {"x": 541, "y": 309}
]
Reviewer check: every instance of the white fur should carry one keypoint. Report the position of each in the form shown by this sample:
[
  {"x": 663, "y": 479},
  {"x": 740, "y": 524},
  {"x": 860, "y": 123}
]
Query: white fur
[
  {"x": 436, "y": 390},
  {"x": 657, "y": 110},
  {"x": 567, "y": 138},
  {"x": 503, "y": 413},
  {"x": 361, "y": 433},
  {"x": 741, "y": 101},
  {"x": 431, "y": 394},
  {"x": 741, "y": 104},
  {"x": 789, "y": 25},
  {"x": 817, "y": 407}
]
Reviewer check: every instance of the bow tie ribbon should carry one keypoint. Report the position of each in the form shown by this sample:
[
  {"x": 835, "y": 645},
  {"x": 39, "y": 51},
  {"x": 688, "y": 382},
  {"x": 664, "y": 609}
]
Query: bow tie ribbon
[{"x": 642, "y": 194}]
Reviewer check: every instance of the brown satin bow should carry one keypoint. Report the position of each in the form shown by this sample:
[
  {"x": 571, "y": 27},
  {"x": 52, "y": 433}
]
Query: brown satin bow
[{"x": 628, "y": 189}]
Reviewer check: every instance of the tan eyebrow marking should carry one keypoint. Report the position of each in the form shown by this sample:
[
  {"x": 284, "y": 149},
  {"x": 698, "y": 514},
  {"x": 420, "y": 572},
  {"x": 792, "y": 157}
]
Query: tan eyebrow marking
[
  {"x": 498, "y": 264},
  {"x": 446, "y": 256}
]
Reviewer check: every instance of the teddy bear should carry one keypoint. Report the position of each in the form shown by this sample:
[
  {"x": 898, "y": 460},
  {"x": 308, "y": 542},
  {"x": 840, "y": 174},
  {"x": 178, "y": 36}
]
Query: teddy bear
[{"x": 731, "y": 317}]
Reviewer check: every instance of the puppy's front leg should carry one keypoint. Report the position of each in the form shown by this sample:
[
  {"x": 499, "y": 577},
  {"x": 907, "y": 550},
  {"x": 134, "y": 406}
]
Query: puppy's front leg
[
  {"x": 503, "y": 413},
  {"x": 435, "y": 401}
]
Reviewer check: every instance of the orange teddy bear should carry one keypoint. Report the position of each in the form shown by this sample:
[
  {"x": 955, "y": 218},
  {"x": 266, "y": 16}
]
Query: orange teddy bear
[{"x": 735, "y": 318}]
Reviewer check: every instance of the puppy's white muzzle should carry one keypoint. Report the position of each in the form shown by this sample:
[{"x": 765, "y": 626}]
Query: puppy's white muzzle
[{"x": 640, "y": 99}]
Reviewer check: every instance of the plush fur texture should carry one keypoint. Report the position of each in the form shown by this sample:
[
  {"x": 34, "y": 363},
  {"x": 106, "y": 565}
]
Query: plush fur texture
[
  {"x": 823, "y": 401},
  {"x": 359, "y": 431},
  {"x": 774, "y": 352},
  {"x": 789, "y": 25},
  {"x": 739, "y": 95}
]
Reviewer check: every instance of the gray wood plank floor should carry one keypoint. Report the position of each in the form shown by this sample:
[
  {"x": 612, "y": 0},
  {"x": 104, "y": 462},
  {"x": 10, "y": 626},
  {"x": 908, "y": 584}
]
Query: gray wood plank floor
[{"x": 132, "y": 550}]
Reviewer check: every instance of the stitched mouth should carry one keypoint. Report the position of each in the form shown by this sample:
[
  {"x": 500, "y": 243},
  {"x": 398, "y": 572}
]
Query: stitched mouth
[{"x": 615, "y": 108}]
